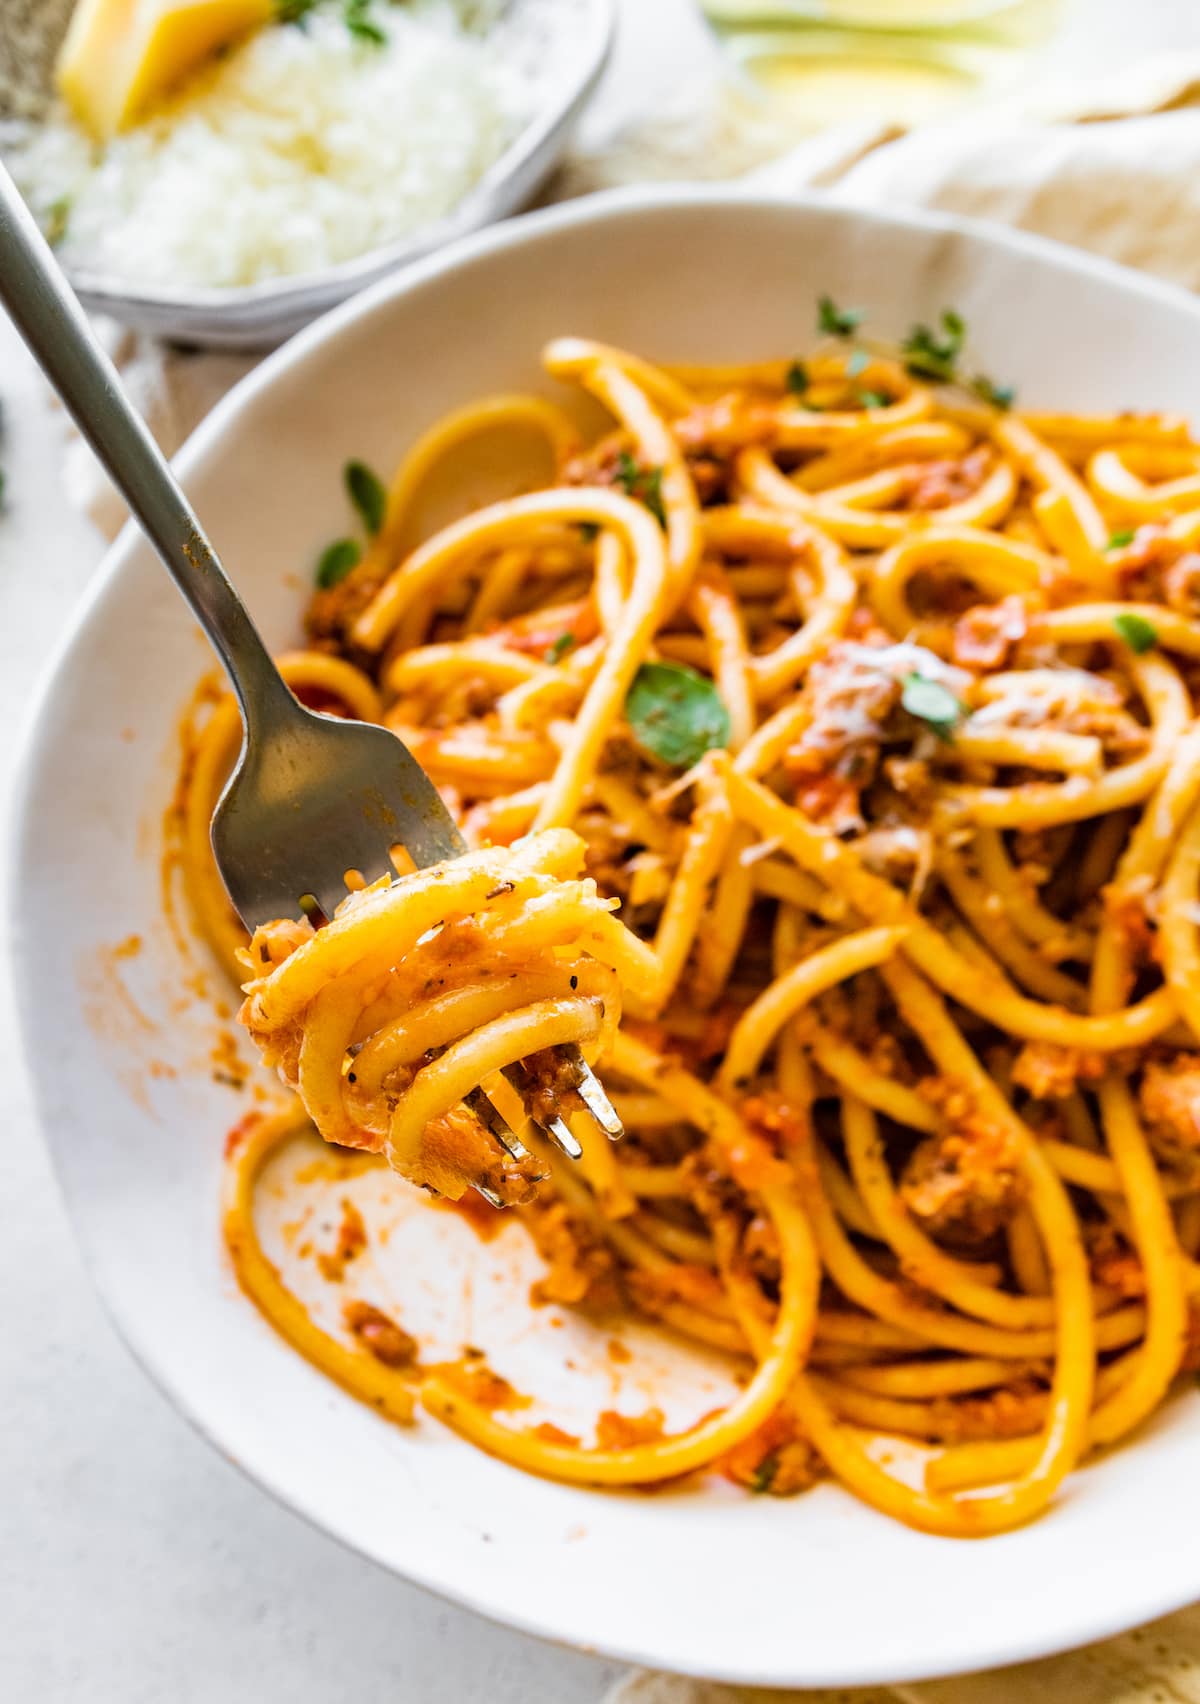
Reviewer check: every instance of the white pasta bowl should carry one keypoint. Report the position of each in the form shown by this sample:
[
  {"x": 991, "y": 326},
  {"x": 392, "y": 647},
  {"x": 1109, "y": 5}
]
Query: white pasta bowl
[
  {"x": 559, "y": 46},
  {"x": 817, "y": 1590}
]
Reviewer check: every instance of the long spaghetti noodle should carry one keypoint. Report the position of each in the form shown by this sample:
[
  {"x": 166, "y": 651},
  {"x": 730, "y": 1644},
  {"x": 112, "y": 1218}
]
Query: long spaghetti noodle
[{"x": 829, "y": 748}]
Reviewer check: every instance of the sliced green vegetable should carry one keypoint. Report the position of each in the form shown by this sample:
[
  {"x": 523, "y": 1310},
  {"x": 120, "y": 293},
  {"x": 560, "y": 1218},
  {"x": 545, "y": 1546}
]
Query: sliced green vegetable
[
  {"x": 932, "y": 703},
  {"x": 676, "y": 714},
  {"x": 1138, "y": 633},
  {"x": 336, "y": 561},
  {"x": 367, "y": 492},
  {"x": 835, "y": 321}
]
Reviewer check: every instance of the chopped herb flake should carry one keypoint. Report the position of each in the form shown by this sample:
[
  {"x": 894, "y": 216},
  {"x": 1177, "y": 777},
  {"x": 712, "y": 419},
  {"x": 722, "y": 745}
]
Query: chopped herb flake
[
  {"x": 589, "y": 531},
  {"x": 873, "y": 399},
  {"x": 1138, "y": 633},
  {"x": 797, "y": 378},
  {"x": 930, "y": 356},
  {"x": 676, "y": 714},
  {"x": 58, "y": 215},
  {"x": 998, "y": 396},
  {"x": 294, "y": 11},
  {"x": 360, "y": 24},
  {"x": 367, "y": 493},
  {"x": 1118, "y": 540},
  {"x": 564, "y": 643},
  {"x": 857, "y": 363},
  {"x": 765, "y": 1473},
  {"x": 336, "y": 561},
  {"x": 932, "y": 703},
  {"x": 644, "y": 483},
  {"x": 835, "y": 321}
]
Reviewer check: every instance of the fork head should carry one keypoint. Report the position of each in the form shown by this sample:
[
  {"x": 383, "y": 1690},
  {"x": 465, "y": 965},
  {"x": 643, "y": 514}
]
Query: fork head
[{"x": 313, "y": 797}]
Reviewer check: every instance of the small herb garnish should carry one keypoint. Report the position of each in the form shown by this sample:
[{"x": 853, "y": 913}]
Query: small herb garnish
[
  {"x": 797, "y": 378},
  {"x": 857, "y": 362},
  {"x": 928, "y": 356},
  {"x": 355, "y": 16},
  {"x": 932, "y": 703},
  {"x": 1138, "y": 633},
  {"x": 360, "y": 25},
  {"x": 294, "y": 11},
  {"x": 765, "y": 1473},
  {"x": 873, "y": 399},
  {"x": 58, "y": 215},
  {"x": 644, "y": 483},
  {"x": 835, "y": 321},
  {"x": 564, "y": 643},
  {"x": 1118, "y": 540},
  {"x": 336, "y": 561},
  {"x": 998, "y": 396},
  {"x": 676, "y": 714},
  {"x": 367, "y": 492},
  {"x": 589, "y": 531}
]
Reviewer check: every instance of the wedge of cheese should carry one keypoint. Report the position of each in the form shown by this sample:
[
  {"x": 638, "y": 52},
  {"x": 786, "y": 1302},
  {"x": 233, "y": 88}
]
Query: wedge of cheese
[{"x": 120, "y": 56}]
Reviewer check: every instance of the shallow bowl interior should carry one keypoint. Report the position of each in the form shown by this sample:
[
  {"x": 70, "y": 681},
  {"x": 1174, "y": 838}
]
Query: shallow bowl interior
[{"x": 818, "y": 1590}]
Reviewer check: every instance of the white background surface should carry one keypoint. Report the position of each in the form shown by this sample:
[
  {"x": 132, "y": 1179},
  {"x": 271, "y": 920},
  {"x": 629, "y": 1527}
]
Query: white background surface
[{"x": 135, "y": 1565}]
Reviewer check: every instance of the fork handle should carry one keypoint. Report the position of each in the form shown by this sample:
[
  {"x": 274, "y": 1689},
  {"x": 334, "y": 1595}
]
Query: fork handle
[{"x": 48, "y": 316}]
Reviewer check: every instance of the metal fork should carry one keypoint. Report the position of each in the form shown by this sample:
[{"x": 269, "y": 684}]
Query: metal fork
[{"x": 311, "y": 797}]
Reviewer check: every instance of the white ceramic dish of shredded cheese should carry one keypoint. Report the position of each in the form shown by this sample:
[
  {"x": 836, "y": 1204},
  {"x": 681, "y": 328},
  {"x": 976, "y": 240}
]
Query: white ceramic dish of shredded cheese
[
  {"x": 817, "y": 1590},
  {"x": 308, "y": 161}
]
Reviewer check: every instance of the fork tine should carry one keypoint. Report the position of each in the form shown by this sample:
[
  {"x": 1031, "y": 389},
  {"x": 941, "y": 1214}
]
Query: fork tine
[
  {"x": 561, "y": 1134},
  {"x": 494, "y": 1121},
  {"x": 489, "y": 1195},
  {"x": 591, "y": 1092}
]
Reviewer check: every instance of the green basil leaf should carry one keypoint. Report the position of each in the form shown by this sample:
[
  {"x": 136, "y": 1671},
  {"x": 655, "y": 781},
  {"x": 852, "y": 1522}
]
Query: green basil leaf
[
  {"x": 835, "y": 321},
  {"x": 336, "y": 561},
  {"x": 1138, "y": 633},
  {"x": 932, "y": 703},
  {"x": 368, "y": 494},
  {"x": 676, "y": 714}
]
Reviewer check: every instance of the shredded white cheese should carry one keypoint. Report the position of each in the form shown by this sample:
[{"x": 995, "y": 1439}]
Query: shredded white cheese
[{"x": 302, "y": 147}]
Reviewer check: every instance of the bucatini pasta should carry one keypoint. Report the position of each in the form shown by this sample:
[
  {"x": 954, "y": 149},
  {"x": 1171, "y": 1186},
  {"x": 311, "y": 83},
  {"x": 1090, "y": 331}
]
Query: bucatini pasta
[{"x": 827, "y": 744}]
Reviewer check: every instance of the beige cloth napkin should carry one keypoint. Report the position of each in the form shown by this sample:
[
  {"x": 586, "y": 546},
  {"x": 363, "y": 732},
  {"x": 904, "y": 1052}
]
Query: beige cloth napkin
[{"x": 1114, "y": 167}]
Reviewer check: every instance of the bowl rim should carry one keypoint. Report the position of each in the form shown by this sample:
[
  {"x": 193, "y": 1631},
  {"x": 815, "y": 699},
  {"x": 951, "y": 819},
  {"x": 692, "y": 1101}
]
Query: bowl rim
[
  {"x": 1140, "y": 1603},
  {"x": 109, "y": 293}
]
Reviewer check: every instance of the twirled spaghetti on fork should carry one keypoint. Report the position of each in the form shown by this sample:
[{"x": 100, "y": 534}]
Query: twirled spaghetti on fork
[{"x": 873, "y": 706}]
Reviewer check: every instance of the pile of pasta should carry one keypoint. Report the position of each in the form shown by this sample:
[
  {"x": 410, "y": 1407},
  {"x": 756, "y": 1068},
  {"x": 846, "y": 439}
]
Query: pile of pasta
[{"x": 873, "y": 704}]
